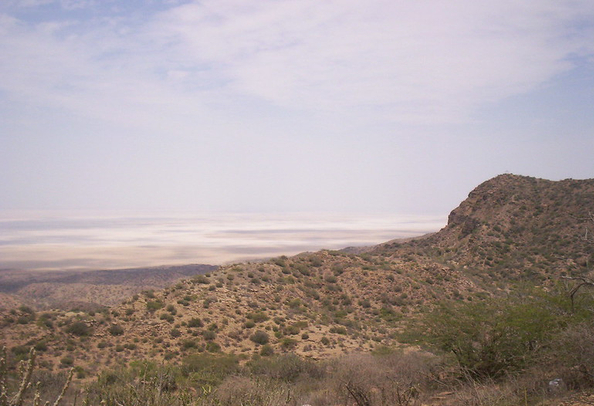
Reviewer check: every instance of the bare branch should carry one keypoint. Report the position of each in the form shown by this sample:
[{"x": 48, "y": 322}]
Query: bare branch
[
  {"x": 26, "y": 382},
  {"x": 583, "y": 282},
  {"x": 65, "y": 388}
]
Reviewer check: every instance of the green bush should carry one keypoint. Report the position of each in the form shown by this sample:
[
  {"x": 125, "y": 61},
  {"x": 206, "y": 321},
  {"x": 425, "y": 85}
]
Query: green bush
[
  {"x": 195, "y": 322},
  {"x": 288, "y": 343},
  {"x": 201, "y": 279},
  {"x": 80, "y": 372},
  {"x": 25, "y": 318},
  {"x": 208, "y": 301},
  {"x": 295, "y": 303},
  {"x": 41, "y": 346},
  {"x": 116, "y": 330},
  {"x": 27, "y": 309},
  {"x": 21, "y": 351},
  {"x": 258, "y": 317},
  {"x": 209, "y": 369},
  {"x": 45, "y": 320},
  {"x": 189, "y": 343},
  {"x": 211, "y": 346},
  {"x": 260, "y": 337},
  {"x": 286, "y": 368},
  {"x": 338, "y": 330},
  {"x": 495, "y": 337},
  {"x": 79, "y": 328},
  {"x": 266, "y": 350},
  {"x": 167, "y": 317},
  {"x": 120, "y": 387},
  {"x": 331, "y": 279},
  {"x": 67, "y": 360},
  {"x": 154, "y": 305}
]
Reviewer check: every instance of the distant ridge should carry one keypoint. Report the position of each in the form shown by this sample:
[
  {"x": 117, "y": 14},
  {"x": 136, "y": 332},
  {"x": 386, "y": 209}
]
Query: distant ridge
[{"x": 89, "y": 289}]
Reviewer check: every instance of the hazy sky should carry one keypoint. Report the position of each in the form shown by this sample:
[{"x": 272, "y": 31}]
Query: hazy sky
[{"x": 289, "y": 105}]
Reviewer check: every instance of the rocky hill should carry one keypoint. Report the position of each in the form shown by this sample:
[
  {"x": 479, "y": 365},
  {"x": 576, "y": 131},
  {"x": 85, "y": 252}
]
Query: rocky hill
[
  {"x": 510, "y": 229},
  {"x": 513, "y": 228}
]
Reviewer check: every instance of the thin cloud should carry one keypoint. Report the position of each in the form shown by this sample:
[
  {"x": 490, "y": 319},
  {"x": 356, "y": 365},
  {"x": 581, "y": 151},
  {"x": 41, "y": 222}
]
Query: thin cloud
[
  {"x": 410, "y": 61},
  {"x": 425, "y": 59}
]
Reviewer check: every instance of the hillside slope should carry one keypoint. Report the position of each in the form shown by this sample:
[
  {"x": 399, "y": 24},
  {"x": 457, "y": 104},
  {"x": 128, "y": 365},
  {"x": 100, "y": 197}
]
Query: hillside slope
[
  {"x": 514, "y": 228},
  {"x": 510, "y": 229}
]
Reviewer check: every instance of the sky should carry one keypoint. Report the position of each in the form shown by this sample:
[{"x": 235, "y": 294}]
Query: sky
[{"x": 272, "y": 106}]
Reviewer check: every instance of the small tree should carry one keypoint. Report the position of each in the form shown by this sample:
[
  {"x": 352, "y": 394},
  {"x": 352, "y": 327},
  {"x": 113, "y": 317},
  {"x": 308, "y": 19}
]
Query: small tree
[{"x": 498, "y": 336}]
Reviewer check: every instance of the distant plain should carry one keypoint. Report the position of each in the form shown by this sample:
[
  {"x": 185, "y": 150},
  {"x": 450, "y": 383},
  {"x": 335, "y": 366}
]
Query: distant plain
[{"x": 85, "y": 241}]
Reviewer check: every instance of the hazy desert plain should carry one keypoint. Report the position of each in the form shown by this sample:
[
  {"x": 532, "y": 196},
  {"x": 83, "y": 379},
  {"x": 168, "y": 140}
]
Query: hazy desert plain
[{"x": 45, "y": 240}]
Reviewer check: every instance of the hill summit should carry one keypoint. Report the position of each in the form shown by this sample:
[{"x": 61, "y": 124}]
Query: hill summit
[{"x": 516, "y": 227}]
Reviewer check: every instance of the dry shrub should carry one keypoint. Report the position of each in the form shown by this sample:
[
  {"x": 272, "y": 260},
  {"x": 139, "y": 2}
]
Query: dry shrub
[
  {"x": 573, "y": 356},
  {"x": 286, "y": 368},
  {"x": 369, "y": 380},
  {"x": 49, "y": 384},
  {"x": 240, "y": 390},
  {"x": 529, "y": 388},
  {"x": 482, "y": 394},
  {"x": 14, "y": 394}
]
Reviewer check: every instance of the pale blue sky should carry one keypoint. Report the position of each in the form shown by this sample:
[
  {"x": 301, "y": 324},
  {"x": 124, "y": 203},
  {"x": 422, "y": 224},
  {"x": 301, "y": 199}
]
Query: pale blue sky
[{"x": 289, "y": 105}]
